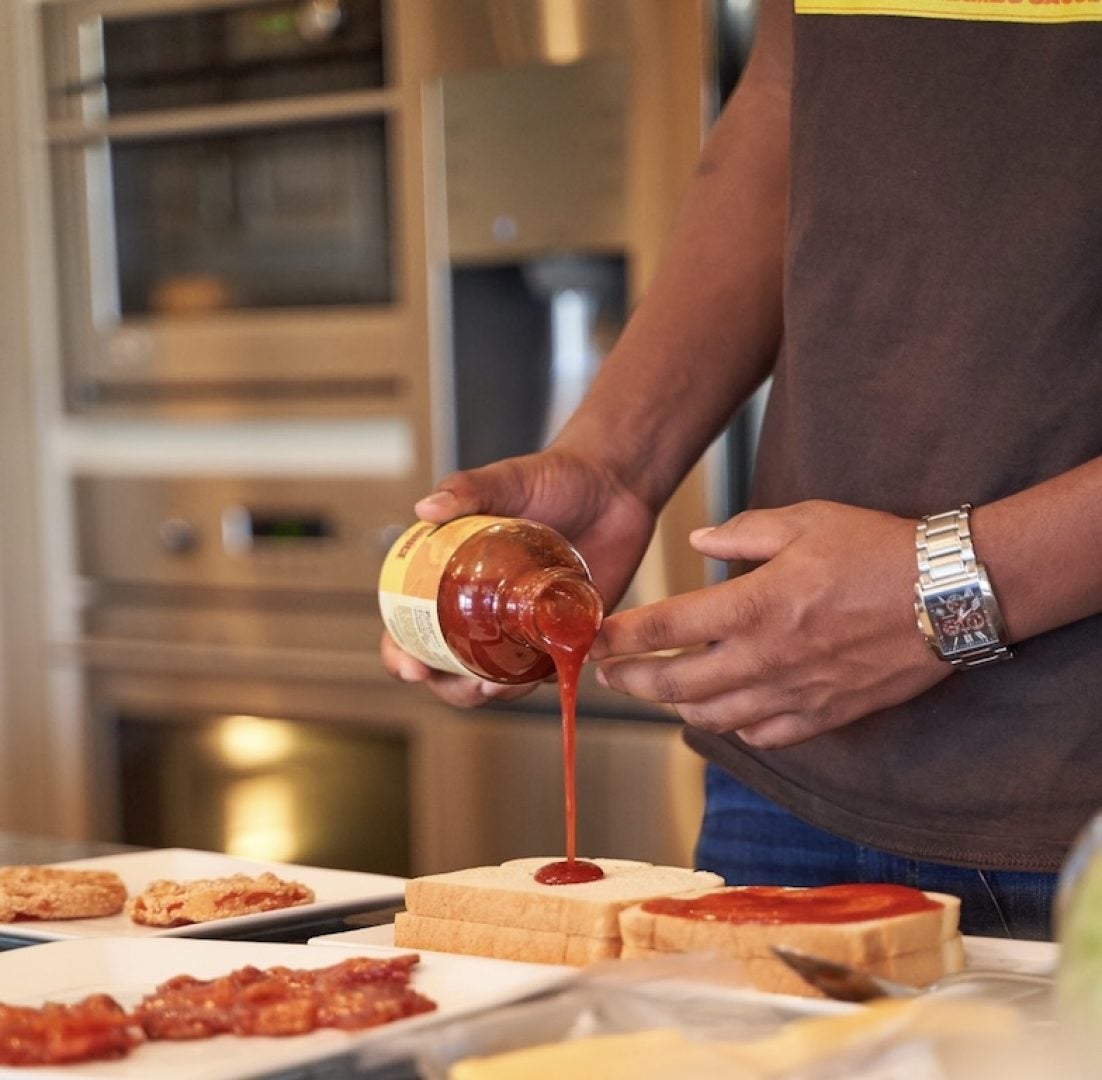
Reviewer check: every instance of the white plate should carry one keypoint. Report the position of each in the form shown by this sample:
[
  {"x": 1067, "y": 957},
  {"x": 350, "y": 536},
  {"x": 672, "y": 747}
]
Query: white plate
[
  {"x": 677, "y": 986},
  {"x": 1004, "y": 954},
  {"x": 335, "y": 891},
  {"x": 1032, "y": 957},
  {"x": 66, "y": 971}
]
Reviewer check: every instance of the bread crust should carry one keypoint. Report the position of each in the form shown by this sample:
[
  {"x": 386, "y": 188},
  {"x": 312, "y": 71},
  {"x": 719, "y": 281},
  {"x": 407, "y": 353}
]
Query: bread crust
[
  {"x": 773, "y": 976},
  {"x": 858, "y": 943},
  {"x": 500, "y": 942}
]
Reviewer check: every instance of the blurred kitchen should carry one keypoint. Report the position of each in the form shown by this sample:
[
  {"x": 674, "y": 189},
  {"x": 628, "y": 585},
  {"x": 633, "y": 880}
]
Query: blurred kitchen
[{"x": 268, "y": 268}]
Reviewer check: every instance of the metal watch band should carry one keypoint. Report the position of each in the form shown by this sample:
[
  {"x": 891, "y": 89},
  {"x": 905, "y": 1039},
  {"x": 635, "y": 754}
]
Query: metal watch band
[{"x": 946, "y": 558}]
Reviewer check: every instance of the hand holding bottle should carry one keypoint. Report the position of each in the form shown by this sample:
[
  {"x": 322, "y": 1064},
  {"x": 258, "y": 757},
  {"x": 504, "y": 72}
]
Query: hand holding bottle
[{"x": 585, "y": 502}]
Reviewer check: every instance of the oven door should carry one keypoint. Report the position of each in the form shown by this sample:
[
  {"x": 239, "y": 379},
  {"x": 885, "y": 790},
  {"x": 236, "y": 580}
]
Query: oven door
[{"x": 225, "y": 197}]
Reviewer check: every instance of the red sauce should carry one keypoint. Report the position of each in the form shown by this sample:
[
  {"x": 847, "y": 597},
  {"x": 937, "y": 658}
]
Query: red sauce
[
  {"x": 531, "y": 633},
  {"x": 773, "y": 905},
  {"x": 569, "y": 872},
  {"x": 569, "y": 628}
]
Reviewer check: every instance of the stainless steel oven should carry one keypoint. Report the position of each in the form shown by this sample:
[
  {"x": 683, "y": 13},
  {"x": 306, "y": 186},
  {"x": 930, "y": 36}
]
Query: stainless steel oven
[
  {"x": 227, "y": 183},
  {"x": 236, "y": 700}
]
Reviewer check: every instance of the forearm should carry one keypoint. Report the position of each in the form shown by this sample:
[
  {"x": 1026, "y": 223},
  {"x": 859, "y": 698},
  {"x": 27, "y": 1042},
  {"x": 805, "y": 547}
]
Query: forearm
[
  {"x": 1043, "y": 551},
  {"x": 707, "y": 332}
]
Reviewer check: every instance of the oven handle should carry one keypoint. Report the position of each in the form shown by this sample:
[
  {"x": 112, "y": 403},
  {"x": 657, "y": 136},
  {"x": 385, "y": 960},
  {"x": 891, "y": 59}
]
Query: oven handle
[
  {"x": 219, "y": 118},
  {"x": 191, "y": 658}
]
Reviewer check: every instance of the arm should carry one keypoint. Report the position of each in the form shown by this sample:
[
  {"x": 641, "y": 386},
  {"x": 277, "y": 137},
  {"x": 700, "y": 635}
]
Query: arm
[
  {"x": 707, "y": 331},
  {"x": 1043, "y": 550}
]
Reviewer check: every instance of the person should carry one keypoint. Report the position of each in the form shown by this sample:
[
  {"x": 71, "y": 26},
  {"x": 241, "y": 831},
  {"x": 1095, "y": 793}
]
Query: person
[{"x": 898, "y": 217}]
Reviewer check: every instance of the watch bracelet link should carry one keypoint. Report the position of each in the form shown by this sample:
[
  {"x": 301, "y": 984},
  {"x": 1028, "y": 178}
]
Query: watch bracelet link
[{"x": 946, "y": 556}]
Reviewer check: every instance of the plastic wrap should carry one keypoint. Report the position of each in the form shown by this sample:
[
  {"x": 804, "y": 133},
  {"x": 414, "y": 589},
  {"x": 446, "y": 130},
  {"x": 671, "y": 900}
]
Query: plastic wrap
[{"x": 717, "y": 1027}]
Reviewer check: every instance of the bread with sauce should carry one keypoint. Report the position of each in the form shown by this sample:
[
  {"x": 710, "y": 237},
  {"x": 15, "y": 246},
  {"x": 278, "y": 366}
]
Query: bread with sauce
[
  {"x": 504, "y": 912},
  {"x": 914, "y": 947}
]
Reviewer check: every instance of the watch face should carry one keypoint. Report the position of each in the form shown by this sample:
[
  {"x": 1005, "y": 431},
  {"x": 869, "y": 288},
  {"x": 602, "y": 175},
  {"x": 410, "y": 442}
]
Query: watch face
[{"x": 960, "y": 620}]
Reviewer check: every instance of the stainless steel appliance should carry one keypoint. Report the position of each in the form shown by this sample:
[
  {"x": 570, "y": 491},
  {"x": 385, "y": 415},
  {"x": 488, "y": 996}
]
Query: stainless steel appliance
[
  {"x": 238, "y": 703},
  {"x": 229, "y": 184}
]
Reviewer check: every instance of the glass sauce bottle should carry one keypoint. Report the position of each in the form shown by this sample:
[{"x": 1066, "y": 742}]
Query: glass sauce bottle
[{"x": 504, "y": 599}]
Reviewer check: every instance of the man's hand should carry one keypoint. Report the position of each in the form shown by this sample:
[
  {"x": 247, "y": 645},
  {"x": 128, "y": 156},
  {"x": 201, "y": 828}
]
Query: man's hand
[
  {"x": 608, "y": 524},
  {"x": 819, "y": 633}
]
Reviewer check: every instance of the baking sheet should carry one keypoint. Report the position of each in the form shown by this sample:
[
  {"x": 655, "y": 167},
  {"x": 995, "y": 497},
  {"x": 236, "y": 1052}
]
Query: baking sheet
[
  {"x": 66, "y": 971},
  {"x": 336, "y": 892}
]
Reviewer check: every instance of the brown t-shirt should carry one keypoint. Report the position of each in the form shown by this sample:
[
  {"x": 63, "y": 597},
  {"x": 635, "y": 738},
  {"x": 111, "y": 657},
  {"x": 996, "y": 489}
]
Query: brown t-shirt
[{"x": 943, "y": 344}]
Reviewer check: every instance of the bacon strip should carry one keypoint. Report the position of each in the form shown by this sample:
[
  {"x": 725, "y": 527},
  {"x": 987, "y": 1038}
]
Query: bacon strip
[
  {"x": 354, "y": 994},
  {"x": 94, "y": 1028}
]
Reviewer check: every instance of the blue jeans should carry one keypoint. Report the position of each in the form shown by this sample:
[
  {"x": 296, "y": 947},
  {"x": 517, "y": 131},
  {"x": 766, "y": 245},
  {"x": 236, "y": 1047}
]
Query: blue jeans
[{"x": 749, "y": 841}]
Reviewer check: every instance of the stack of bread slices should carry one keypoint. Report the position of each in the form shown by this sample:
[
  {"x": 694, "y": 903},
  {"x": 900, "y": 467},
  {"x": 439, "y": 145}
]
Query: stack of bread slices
[{"x": 502, "y": 911}]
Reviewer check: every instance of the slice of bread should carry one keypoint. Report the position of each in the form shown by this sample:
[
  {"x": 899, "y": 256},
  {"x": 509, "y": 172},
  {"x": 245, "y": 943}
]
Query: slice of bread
[
  {"x": 914, "y": 947},
  {"x": 509, "y": 895},
  {"x": 501, "y": 942},
  {"x": 770, "y": 974},
  {"x": 858, "y": 942}
]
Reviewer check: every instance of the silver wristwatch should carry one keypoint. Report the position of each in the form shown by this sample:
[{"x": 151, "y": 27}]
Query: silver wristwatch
[{"x": 954, "y": 604}]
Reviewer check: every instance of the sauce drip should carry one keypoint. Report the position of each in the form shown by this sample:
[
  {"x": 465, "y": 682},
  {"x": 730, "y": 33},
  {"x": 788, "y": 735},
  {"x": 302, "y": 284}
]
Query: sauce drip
[
  {"x": 569, "y": 872},
  {"x": 773, "y": 905},
  {"x": 569, "y": 627}
]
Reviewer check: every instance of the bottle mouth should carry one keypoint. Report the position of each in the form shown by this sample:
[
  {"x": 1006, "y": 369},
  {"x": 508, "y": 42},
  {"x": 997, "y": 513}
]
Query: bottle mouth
[{"x": 568, "y": 612}]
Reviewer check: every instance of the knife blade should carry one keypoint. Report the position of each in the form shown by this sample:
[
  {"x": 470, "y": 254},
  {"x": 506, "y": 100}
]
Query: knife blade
[{"x": 839, "y": 981}]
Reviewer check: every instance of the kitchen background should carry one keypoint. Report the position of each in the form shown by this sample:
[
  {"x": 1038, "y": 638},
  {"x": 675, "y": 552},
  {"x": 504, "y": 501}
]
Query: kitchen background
[{"x": 267, "y": 268}]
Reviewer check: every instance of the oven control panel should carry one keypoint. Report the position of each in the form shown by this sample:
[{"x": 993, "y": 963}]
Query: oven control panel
[{"x": 301, "y": 535}]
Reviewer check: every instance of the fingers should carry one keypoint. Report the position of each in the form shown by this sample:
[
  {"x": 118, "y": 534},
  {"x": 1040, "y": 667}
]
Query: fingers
[
  {"x": 681, "y": 622},
  {"x": 721, "y": 686},
  {"x": 754, "y": 535},
  {"x": 399, "y": 664},
  {"x": 710, "y": 693},
  {"x": 462, "y": 691}
]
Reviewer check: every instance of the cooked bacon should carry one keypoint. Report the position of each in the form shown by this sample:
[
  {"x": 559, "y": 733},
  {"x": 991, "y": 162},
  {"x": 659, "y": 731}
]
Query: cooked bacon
[
  {"x": 54, "y": 892},
  {"x": 356, "y": 993},
  {"x": 180, "y": 903},
  {"x": 91, "y": 1029}
]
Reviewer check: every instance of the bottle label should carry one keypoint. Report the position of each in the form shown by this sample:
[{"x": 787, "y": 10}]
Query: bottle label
[{"x": 410, "y": 581}]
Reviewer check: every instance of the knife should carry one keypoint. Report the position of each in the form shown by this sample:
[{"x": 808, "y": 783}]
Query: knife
[
  {"x": 839, "y": 981},
  {"x": 843, "y": 983}
]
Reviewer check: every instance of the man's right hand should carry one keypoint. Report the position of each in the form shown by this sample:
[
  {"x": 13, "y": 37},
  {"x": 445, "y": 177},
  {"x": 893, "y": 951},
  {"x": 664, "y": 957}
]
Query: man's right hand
[{"x": 589, "y": 505}]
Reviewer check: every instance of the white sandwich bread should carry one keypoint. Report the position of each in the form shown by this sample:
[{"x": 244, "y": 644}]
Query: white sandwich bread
[
  {"x": 915, "y": 940},
  {"x": 504, "y": 912}
]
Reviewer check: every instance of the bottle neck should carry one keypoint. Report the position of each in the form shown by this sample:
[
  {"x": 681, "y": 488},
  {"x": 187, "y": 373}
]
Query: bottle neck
[{"x": 554, "y": 609}]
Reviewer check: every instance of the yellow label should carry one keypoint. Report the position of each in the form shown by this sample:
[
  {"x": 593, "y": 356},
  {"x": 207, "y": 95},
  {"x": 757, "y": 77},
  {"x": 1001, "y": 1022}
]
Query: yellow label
[
  {"x": 409, "y": 582},
  {"x": 1026, "y": 11}
]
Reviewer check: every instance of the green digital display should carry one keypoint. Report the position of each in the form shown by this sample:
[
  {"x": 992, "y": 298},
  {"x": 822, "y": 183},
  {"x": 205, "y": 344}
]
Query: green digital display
[{"x": 289, "y": 528}]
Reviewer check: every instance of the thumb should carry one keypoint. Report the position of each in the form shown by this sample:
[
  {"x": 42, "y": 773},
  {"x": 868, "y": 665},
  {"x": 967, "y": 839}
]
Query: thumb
[
  {"x": 493, "y": 489},
  {"x": 753, "y": 536}
]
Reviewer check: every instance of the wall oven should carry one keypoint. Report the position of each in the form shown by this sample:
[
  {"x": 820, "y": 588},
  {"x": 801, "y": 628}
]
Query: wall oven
[{"x": 227, "y": 184}]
